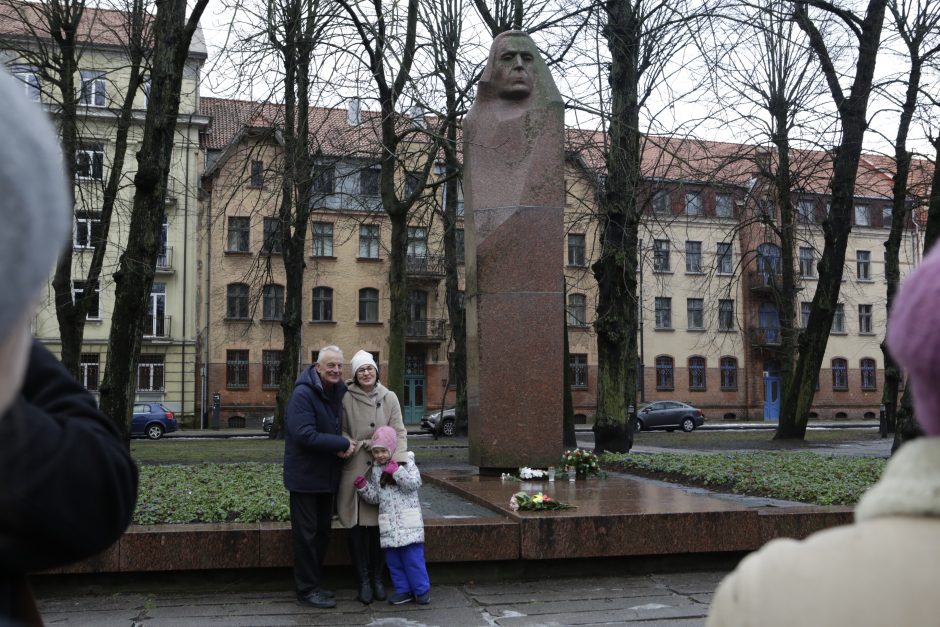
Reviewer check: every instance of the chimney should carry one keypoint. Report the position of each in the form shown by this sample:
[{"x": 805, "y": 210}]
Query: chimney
[{"x": 353, "y": 112}]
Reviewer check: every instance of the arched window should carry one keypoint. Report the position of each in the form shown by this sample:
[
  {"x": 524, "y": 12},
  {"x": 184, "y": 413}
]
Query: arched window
[
  {"x": 664, "y": 373},
  {"x": 577, "y": 310},
  {"x": 840, "y": 378},
  {"x": 769, "y": 264},
  {"x": 368, "y": 305},
  {"x": 322, "y": 304},
  {"x": 696, "y": 373},
  {"x": 236, "y": 301},
  {"x": 868, "y": 374},
  {"x": 729, "y": 373},
  {"x": 272, "y": 297}
]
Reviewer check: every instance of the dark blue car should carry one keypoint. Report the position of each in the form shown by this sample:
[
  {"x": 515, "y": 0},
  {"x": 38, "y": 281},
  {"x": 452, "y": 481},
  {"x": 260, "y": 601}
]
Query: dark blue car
[{"x": 152, "y": 420}]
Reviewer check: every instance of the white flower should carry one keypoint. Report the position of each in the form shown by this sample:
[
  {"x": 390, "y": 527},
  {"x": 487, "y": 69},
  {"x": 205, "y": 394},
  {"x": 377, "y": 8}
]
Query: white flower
[{"x": 530, "y": 473}]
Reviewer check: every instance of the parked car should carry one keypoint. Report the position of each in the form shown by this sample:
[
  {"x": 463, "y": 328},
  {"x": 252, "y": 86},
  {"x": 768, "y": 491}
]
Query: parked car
[
  {"x": 267, "y": 423},
  {"x": 152, "y": 420},
  {"x": 669, "y": 415},
  {"x": 429, "y": 422}
]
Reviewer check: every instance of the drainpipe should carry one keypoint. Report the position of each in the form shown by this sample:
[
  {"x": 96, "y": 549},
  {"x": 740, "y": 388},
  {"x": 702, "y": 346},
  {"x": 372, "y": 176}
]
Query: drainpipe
[
  {"x": 189, "y": 130},
  {"x": 205, "y": 336}
]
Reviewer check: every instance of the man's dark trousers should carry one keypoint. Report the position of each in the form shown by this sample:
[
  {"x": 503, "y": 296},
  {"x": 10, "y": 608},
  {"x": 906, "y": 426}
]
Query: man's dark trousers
[{"x": 310, "y": 517}]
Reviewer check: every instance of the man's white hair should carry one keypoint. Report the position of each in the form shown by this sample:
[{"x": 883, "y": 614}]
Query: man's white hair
[{"x": 332, "y": 348}]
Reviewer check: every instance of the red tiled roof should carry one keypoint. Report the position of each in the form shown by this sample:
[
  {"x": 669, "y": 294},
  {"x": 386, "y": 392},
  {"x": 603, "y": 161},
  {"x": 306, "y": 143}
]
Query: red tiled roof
[{"x": 98, "y": 26}]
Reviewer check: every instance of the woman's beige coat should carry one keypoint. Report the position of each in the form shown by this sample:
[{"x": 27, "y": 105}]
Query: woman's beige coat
[
  {"x": 363, "y": 413},
  {"x": 881, "y": 570}
]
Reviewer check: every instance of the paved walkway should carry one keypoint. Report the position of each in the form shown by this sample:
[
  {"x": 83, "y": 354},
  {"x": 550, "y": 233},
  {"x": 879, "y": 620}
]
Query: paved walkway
[{"x": 653, "y": 600}]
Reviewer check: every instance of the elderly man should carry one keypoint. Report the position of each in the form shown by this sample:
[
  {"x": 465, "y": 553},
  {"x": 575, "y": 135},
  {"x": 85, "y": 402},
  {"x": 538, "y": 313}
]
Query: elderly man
[{"x": 313, "y": 455}]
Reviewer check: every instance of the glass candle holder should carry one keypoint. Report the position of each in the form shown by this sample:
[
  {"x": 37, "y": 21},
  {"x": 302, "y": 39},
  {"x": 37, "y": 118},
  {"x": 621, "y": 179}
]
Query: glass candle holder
[
  {"x": 551, "y": 473},
  {"x": 570, "y": 470}
]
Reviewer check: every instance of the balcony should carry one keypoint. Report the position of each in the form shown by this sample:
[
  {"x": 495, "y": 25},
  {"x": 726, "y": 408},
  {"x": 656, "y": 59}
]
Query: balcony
[
  {"x": 425, "y": 266},
  {"x": 164, "y": 263},
  {"x": 157, "y": 327},
  {"x": 765, "y": 337},
  {"x": 758, "y": 281},
  {"x": 425, "y": 330}
]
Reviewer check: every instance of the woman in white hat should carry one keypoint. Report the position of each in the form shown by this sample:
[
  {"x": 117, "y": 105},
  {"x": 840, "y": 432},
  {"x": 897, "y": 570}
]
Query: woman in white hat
[{"x": 367, "y": 406}]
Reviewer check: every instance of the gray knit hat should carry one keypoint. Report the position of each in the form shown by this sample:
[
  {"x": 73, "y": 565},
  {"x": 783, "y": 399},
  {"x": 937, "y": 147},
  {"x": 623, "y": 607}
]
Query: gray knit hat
[{"x": 35, "y": 206}]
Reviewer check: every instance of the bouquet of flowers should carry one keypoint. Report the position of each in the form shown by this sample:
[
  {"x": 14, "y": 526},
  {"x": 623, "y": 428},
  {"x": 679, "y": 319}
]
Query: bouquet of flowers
[
  {"x": 582, "y": 463},
  {"x": 525, "y": 502}
]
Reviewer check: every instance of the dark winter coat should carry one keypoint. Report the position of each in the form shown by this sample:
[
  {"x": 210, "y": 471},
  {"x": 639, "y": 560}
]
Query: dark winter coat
[
  {"x": 312, "y": 428},
  {"x": 68, "y": 486}
]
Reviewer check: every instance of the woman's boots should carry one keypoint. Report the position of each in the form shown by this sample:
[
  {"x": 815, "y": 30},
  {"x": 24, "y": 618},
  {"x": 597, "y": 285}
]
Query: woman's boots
[
  {"x": 377, "y": 566},
  {"x": 359, "y": 549}
]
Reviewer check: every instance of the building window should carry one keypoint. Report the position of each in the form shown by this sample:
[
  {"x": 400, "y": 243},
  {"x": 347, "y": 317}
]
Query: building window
[
  {"x": 862, "y": 215},
  {"x": 578, "y": 367},
  {"x": 87, "y": 229},
  {"x": 693, "y": 204},
  {"x": 805, "y": 309},
  {"x": 724, "y": 264},
  {"x": 724, "y": 206},
  {"x": 94, "y": 89},
  {"x": 238, "y": 231},
  {"x": 807, "y": 262},
  {"x": 729, "y": 373},
  {"x": 412, "y": 182},
  {"x": 863, "y": 265},
  {"x": 662, "y": 203},
  {"x": 886, "y": 216},
  {"x": 664, "y": 373},
  {"x": 417, "y": 242},
  {"x": 663, "y": 313},
  {"x": 576, "y": 249},
  {"x": 868, "y": 374},
  {"x": 150, "y": 373},
  {"x": 236, "y": 301},
  {"x": 840, "y": 379},
  {"x": 94, "y": 312},
  {"x": 89, "y": 161},
  {"x": 368, "y": 241},
  {"x": 270, "y": 369},
  {"x": 368, "y": 305},
  {"x": 322, "y": 304},
  {"x": 459, "y": 237},
  {"x": 838, "y": 320},
  {"x": 29, "y": 77},
  {"x": 236, "y": 369},
  {"x": 693, "y": 257},
  {"x": 661, "y": 255},
  {"x": 577, "y": 310},
  {"x": 256, "y": 173},
  {"x": 324, "y": 179},
  {"x": 272, "y": 237},
  {"x": 369, "y": 181},
  {"x": 806, "y": 211},
  {"x": 89, "y": 371},
  {"x": 322, "y": 239},
  {"x": 272, "y": 297},
  {"x": 864, "y": 319},
  {"x": 696, "y": 373},
  {"x": 726, "y": 315},
  {"x": 696, "y": 313}
]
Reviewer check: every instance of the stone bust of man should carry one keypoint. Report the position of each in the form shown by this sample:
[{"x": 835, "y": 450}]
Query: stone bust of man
[{"x": 513, "y": 134}]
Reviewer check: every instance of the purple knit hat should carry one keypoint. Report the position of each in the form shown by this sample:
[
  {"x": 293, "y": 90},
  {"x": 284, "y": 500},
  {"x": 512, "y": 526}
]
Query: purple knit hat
[
  {"x": 914, "y": 338},
  {"x": 385, "y": 437}
]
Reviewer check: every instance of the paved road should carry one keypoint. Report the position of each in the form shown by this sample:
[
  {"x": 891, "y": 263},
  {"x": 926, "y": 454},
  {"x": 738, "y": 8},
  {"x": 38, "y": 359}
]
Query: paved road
[{"x": 651, "y": 600}]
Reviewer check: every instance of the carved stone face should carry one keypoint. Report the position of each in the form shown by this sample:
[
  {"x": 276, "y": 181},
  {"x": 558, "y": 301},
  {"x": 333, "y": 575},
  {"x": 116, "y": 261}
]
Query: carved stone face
[{"x": 513, "y": 67}]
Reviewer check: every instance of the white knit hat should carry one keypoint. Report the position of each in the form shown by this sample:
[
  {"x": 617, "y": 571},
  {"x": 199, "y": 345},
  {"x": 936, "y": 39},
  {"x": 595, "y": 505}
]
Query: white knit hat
[
  {"x": 35, "y": 205},
  {"x": 360, "y": 359}
]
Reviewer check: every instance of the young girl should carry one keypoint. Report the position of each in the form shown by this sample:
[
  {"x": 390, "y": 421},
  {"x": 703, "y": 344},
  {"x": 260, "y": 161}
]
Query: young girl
[{"x": 394, "y": 488}]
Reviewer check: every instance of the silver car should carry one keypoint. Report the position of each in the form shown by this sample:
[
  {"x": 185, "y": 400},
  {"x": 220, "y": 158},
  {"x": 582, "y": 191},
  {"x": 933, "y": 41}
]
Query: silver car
[
  {"x": 448, "y": 428},
  {"x": 669, "y": 415}
]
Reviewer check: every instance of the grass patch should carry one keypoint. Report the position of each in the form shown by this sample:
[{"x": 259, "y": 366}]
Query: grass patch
[
  {"x": 794, "y": 476},
  {"x": 757, "y": 440}
]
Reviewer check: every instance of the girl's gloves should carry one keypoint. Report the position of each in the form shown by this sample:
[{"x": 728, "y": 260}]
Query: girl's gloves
[
  {"x": 360, "y": 482},
  {"x": 390, "y": 467}
]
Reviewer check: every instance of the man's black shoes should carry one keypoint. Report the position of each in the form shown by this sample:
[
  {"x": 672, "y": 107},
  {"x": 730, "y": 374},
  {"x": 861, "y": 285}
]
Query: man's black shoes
[{"x": 320, "y": 599}]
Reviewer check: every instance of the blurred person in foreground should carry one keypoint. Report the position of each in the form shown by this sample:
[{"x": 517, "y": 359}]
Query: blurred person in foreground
[
  {"x": 67, "y": 483},
  {"x": 882, "y": 569}
]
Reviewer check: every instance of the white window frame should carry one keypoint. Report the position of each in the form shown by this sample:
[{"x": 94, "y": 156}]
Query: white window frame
[
  {"x": 29, "y": 77},
  {"x": 862, "y": 215},
  {"x": 77, "y": 288},
  {"x": 94, "y": 89},
  {"x": 724, "y": 206},
  {"x": 93, "y": 152},
  {"x": 863, "y": 265}
]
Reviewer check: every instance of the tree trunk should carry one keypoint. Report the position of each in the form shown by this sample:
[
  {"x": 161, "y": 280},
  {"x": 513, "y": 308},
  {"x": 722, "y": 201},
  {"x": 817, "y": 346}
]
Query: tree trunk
[{"x": 616, "y": 269}]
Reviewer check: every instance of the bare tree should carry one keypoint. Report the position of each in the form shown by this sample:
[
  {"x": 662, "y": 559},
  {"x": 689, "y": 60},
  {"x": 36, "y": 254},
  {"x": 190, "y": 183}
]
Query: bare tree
[
  {"x": 798, "y": 392},
  {"x": 172, "y": 34}
]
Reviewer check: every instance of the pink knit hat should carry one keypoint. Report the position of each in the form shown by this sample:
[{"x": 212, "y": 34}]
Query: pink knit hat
[
  {"x": 385, "y": 437},
  {"x": 914, "y": 338}
]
